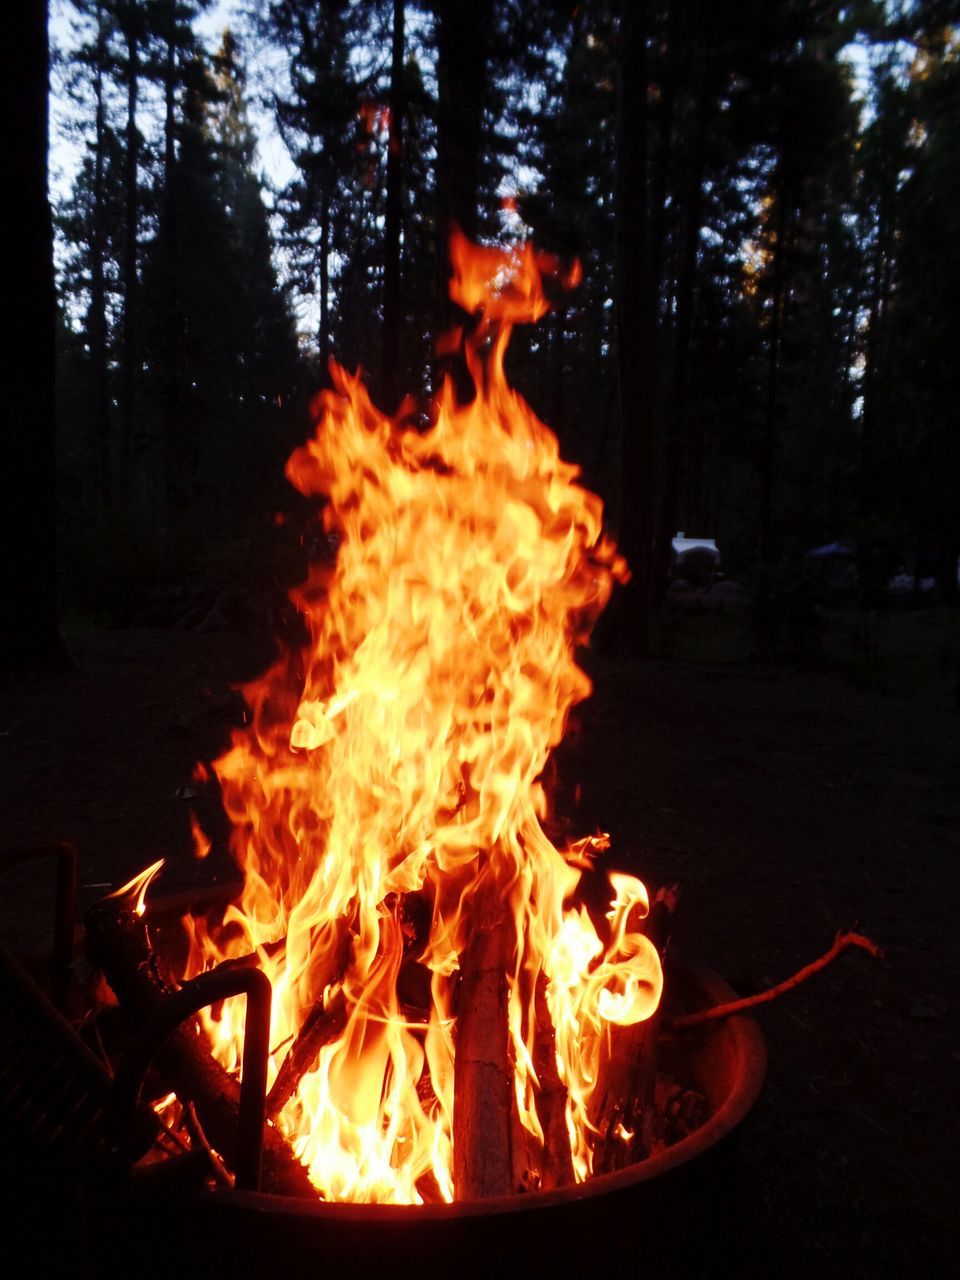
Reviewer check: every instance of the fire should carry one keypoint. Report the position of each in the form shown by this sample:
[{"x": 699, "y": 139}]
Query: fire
[
  {"x": 138, "y": 886},
  {"x": 386, "y": 796}
]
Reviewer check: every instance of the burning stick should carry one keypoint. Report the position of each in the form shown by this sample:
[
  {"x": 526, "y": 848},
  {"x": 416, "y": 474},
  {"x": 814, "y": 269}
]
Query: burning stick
[
  {"x": 323, "y": 1024},
  {"x": 622, "y": 1100},
  {"x": 621, "y": 1108},
  {"x": 326, "y": 1019},
  {"x": 841, "y": 943},
  {"x": 254, "y": 959},
  {"x": 557, "y": 1169},
  {"x": 482, "y": 1097}
]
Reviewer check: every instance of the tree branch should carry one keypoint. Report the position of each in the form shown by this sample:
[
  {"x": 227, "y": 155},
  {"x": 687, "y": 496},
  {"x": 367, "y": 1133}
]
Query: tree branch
[{"x": 841, "y": 943}]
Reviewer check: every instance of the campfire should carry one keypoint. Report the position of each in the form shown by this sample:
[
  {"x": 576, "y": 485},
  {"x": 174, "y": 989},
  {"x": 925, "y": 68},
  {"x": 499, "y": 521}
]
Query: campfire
[
  {"x": 449, "y": 1021},
  {"x": 415, "y": 1016},
  {"x": 415, "y": 999}
]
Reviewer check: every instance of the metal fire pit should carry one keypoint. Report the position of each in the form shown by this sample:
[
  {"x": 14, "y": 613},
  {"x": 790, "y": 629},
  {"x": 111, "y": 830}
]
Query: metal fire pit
[
  {"x": 674, "y": 1214},
  {"x": 668, "y": 1214}
]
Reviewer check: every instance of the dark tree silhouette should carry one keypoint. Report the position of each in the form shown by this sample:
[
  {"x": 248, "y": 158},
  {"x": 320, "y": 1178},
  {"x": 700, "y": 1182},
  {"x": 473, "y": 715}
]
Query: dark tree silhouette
[
  {"x": 30, "y": 631},
  {"x": 390, "y": 371},
  {"x": 636, "y": 315}
]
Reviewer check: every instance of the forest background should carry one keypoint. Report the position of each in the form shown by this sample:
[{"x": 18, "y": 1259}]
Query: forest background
[{"x": 763, "y": 199}]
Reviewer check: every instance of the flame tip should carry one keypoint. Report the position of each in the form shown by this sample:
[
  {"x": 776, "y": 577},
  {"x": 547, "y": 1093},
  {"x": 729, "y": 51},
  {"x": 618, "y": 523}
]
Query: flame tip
[{"x": 138, "y": 886}]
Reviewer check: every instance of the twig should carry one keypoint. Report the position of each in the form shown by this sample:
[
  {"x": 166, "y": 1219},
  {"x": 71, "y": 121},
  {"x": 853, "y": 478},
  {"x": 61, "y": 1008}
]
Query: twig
[
  {"x": 840, "y": 943},
  {"x": 167, "y": 1132},
  {"x": 90, "y": 1019},
  {"x": 220, "y": 1171}
]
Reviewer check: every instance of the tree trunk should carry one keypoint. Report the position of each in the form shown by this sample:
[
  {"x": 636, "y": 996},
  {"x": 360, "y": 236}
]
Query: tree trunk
[
  {"x": 97, "y": 311},
  {"x": 883, "y": 257},
  {"x": 129, "y": 375},
  {"x": 175, "y": 482},
  {"x": 675, "y": 450},
  {"x": 30, "y": 633},
  {"x": 392, "y": 319},
  {"x": 768, "y": 446},
  {"x": 324, "y": 334},
  {"x": 462, "y": 34},
  {"x": 636, "y": 326}
]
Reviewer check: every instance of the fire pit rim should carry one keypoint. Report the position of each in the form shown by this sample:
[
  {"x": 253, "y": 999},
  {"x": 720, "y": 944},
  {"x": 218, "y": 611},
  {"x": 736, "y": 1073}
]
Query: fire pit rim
[{"x": 746, "y": 1043}]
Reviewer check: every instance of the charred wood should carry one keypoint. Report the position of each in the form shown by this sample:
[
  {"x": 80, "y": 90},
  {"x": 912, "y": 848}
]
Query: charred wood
[
  {"x": 253, "y": 959},
  {"x": 482, "y": 1096},
  {"x": 622, "y": 1108},
  {"x": 557, "y": 1161},
  {"x": 324, "y": 1023},
  {"x": 118, "y": 943}
]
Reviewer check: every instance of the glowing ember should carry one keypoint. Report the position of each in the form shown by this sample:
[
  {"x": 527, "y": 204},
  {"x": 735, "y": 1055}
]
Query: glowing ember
[{"x": 386, "y": 796}]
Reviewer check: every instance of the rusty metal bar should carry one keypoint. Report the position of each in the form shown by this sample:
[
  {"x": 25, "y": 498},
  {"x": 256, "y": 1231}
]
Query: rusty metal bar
[
  {"x": 208, "y": 988},
  {"x": 65, "y": 912}
]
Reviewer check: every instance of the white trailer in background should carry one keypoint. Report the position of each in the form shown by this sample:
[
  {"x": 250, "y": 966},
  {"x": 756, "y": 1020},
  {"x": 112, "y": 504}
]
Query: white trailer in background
[{"x": 695, "y": 560}]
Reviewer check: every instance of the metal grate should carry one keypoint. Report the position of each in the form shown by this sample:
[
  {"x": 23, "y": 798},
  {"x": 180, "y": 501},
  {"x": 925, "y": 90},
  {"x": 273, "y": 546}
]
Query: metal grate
[{"x": 53, "y": 1090}]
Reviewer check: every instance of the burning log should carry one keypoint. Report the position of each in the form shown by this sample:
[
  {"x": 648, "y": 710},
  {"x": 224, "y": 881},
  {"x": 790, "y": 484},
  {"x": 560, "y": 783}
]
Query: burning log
[
  {"x": 323, "y": 1024},
  {"x": 482, "y": 1099},
  {"x": 117, "y": 943},
  {"x": 557, "y": 1166},
  {"x": 622, "y": 1106},
  {"x": 326, "y": 1019},
  {"x": 622, "y": 1101},
  {"x": 253, "y": 959}
]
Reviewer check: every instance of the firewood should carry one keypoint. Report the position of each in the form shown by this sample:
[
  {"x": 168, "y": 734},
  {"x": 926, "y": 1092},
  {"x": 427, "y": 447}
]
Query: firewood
[
  {"x": 557, "y": 1161},
  {"x": 323, "y": 1024},
  {"x": 622, "y": 1105},
  {"x": 118, "y": 943},
  {"x": 482, "y": 1095},
  {"x": 525, "y": 1156},
  {"x": 252, "y": 959},
  {"x": 429, "y": 1189}
]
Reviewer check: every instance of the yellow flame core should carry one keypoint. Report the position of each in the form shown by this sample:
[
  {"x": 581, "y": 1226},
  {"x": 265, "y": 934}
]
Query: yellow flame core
[{"x": 399, "y": 757}]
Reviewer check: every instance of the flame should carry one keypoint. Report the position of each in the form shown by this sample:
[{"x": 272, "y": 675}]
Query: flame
[
  {"x": 201, "y": 841},
  {"x": 387, "y": 789},
  {"x": 139, "y": 885}
]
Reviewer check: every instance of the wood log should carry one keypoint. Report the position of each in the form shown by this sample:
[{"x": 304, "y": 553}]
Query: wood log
[
  {"x": 557, "y": 1161},
  {"x": 118, "y": 944},
  {"x": 622, "y": 1105},
  {"x": 251, "y": 959},
  {"x": 323, "y": 1024},
  {"x": 482, "y": 1094}
]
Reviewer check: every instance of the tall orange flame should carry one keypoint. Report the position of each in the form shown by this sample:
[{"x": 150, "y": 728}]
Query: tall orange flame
[{"x": 390, "y": 775}]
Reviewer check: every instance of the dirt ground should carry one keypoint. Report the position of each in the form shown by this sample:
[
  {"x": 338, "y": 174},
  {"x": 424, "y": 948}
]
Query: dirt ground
[{"x": 788, "y": 804}]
